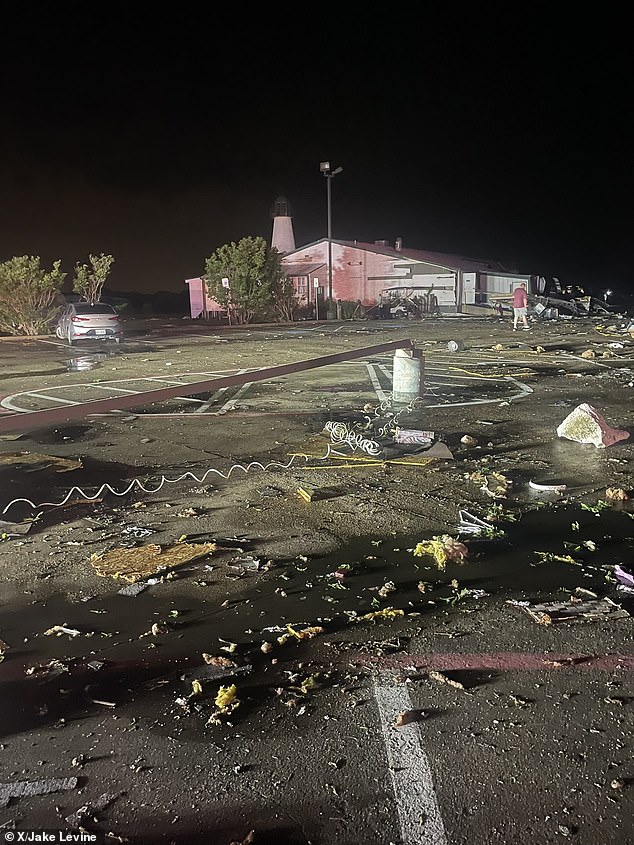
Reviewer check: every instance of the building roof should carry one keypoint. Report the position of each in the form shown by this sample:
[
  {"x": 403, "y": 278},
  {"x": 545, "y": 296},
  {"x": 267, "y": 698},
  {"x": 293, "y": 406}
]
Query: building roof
[
  {"x": 301, "y": 268},
  {"x": 439, "y": 259}
]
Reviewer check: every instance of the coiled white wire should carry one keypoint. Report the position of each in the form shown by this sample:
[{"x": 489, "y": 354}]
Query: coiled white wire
[
  {"x": 340, "y": 433},
  {"x": 163, "y": 480}
]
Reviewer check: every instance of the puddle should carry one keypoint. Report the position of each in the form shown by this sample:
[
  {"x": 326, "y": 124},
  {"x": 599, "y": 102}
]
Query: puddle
[
  {"x": 81, "y": 363},
  {"x": 69, "y": 433}
]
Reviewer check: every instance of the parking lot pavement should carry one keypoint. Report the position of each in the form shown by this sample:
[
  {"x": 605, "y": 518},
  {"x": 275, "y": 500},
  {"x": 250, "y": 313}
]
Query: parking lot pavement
[{"x": 460, "y": 720}]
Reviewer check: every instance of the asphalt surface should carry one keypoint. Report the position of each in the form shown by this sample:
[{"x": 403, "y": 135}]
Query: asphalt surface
[{"x": 457, "y": 719}]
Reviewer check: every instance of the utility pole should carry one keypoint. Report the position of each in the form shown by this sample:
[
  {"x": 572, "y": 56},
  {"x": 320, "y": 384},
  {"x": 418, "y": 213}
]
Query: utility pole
[{"x": 324, "y": 167}]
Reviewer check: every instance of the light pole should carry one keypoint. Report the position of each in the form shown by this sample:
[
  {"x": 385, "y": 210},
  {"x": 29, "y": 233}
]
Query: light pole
[{"x": 324, "y": 167}]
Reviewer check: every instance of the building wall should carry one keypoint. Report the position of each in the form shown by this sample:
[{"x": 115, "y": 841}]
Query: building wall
[{"x": 357, "y": 274}]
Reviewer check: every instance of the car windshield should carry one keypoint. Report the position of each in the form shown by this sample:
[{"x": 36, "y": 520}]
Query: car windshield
[{"x": 94, "y": 309}]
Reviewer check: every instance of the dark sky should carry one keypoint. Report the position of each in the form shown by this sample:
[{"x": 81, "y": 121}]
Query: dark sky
[{"x": 505, "y": 134}]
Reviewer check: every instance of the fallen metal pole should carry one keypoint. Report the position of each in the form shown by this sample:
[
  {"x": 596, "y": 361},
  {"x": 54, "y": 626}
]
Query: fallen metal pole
[{"x": 57, "y": 416}]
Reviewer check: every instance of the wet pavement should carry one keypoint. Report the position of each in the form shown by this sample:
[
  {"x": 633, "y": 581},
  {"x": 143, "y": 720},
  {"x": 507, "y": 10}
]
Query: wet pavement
[{"x": 526, "y": 742}]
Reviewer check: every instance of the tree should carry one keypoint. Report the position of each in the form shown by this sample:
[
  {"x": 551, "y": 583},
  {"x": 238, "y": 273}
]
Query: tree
[
  {"x": 285, "y": 300},
  {"x": 27, "y": 295},
  {"x": 89, "y": 280},
  {"x": 257, "y": 283}
]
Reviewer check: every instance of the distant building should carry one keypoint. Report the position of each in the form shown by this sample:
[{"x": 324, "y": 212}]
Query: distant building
[
  {"x": 200, "y": 303},
  {"x": 375, "y": 273}
]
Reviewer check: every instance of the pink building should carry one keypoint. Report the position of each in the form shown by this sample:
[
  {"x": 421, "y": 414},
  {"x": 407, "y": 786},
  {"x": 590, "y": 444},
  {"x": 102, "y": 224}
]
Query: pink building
[
  {"x": 370, "y": 273},
  {"x": 200, "y": 303}
]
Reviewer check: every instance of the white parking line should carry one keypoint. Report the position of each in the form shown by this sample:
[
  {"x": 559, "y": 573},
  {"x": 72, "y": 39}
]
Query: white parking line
[
  {"x": 375, "y": 382},
  {"x": 418, "y": 812}
]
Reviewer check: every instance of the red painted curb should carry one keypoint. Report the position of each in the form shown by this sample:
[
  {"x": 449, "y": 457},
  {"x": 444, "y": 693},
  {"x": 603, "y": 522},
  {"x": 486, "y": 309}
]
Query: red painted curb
[{"x": 504, "y": 661}]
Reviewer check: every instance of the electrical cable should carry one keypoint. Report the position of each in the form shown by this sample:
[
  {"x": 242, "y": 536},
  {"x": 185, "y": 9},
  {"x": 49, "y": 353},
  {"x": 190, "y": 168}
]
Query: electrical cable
[{"x": 339, "y": 432}]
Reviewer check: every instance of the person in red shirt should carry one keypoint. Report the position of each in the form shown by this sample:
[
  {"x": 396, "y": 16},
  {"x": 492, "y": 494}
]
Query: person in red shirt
[{"x": 520, "y": 304}]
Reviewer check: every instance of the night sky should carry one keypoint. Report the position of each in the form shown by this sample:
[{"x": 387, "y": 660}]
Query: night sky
[{"x": 157, "y": 138}]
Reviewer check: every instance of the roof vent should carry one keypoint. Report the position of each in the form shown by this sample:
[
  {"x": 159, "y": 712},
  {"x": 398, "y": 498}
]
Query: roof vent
[
  {"x": 398, "y": 244},
  {"x": 380, "y": 243}
]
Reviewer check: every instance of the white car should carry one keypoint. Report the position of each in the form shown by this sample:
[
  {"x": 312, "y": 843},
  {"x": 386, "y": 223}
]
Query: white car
[{"x": 80, "y": 320}]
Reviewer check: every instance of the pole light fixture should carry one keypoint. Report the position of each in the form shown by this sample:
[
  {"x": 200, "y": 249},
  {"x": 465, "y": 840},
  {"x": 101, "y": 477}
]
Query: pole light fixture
[{"x": 324, "y": 167}]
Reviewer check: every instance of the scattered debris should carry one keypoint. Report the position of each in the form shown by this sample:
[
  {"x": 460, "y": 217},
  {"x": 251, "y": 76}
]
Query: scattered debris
[
  {"x": 50, "y": 669},
  {"x": 138, "y": 532},
  {"x": 413, "y": 436},
  {"x": 386, "y": 589},
  {"x": 386, "y": 613},
  {"x": 28, "y": 788},
  {"x": 623, "y": 576},
  {"x": 586, "y": 425},
  {"x": 408, "y": 717},
  {"x": 89, "y": 811},
  {"x": 443, "y": 549},
  {"x": 212, "y": 660},
  {"x": 303, "y": 634},
  {"x": 576, "y": 610},
  {"x": 134, "y": 589},
  {"x": 616, "y": 494},
  {"x": 35, "y": 461},
  {"x": 545, "y": 487},
  {"x": 138, "y": 563},
  {"x": 443, "y": 679},
  {"x": 60, "y": 630},
  {"x": 470, "y": 524},
  {"x": 494, "y": 484},
  {"x": 467, "y": 440},
  {"x": 4, "y": 647},
  {"x": 15, "y": 529},
  {"x": 249, "y": 839},
  {"x": 247, "y": 563},
  {"x": 226, "y": 702}
]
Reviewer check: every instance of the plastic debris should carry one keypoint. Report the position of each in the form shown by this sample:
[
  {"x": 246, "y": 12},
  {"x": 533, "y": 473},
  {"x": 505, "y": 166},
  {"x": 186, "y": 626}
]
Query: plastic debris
[
  {"x": 575, "y": 610},
  {"x": 624, "y": 577},
  {"x": 139, "y": 563},
  {"x": 470, "y": 524},
  {"x": 544, "y": 487},
  {"x": 60, "y": 630},
  {"x": 443, "y": 549},
  {"x": 4, "y": 647},
  {"x": 467, "y": 440},
  {"x": 413, "y": 436},
  {"x": 586, "y": 425},
  {"x": 27, "y": 788}
]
